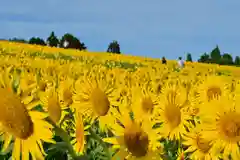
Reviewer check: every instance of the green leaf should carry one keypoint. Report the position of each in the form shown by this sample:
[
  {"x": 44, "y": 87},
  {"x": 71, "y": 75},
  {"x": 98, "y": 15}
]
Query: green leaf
[
  {"x": 8, "y": 150},
  {"x": 81, "y": 158},
  {"x": 57, "y": 151},
  {"x": 60, "y": 146}
]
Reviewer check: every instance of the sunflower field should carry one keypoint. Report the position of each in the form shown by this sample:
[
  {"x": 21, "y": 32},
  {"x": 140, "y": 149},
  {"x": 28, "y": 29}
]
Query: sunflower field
[{"x": 59, "y": 104}]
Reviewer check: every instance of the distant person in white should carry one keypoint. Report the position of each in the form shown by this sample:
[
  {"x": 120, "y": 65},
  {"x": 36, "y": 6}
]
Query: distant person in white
[
  {"x": 180, "y": 62},
  {"x": 65, "y": 44}
]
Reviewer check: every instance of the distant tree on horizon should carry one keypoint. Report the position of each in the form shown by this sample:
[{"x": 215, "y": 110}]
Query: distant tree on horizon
[
  {"x": 19, "y": 40},
  {"x": 52, "y": 40},
  {"x": 114, "y": 47},
  {"x": 70, "y": 41},
  {"x": 226, "y": 59},
  {"x": 215, "y": 55},
  {"x": 237, "y": 60},
  {"x": 37, "y": 40},
  {"x": 189, "y": 57},
  {"x": 204, "y": 58}
]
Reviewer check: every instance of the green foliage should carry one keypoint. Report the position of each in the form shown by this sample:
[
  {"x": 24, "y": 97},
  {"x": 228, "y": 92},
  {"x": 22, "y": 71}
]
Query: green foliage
[
  {"x": 226, "y": 59},
  {"x": 70, "y": 41},
  {"x": 114, "y": 47},
  {"x": 205, "y": 58},
  {"x": 37, "y": 40},
  {"x": 19, "y": 40},
  {"x": 57, "y": 151},
  {"x": 215, "y": 55},
  {"x": 65, "y": 57},
  {"x": 237, "y": 60},
  {"x": 189, "y": 57},
  {"x": 96, "y": 149},
  {"x": 7, "y": 153},
  {"x": 52, "y": 40},
  {"x": 125, "y": 65},
  {"x": 171, "y": 148}
]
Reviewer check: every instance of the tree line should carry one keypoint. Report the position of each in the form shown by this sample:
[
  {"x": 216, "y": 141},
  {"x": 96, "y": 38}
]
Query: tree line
[
  {"x": 70, "y": 41},
  {"x": 215, "y": 57},
  {"x": 66, "y": 41}
]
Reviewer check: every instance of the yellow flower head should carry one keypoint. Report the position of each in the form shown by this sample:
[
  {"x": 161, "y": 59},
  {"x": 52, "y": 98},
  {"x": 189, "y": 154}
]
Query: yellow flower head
[
  {"x": 19, "y": 121},
  {"x": 221, "y": 124},
  {"x": 135, "y": 139},
  {"x": 173, "y": 114}
]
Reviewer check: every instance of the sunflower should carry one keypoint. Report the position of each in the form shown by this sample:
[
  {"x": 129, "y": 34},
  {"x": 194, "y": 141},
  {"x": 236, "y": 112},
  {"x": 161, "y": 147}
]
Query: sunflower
[
  {"x": 235, "y": 89},
  {"x": 51, "y": 67},
  {"x": 27, "y": 79},
  {"x": 66, "y": 91},
  {"x": 180, "y": 154},
  {"x": 142, "y": 75},
  {"x": 221, "y": 125},
  {"x": 95, "y": 98},
  {"x": 77, "y": 70},
  {"x": 144, "y": 102},
  {"x": 124, "y": 88},
  {"x": 193, "y": 103},
  {"x": 212, "y": 86},
  {"x": 80, "y": 131},
  {"x": 157, "y": 85},
  {"x": 127, "y": 79},
  {"x": 51, "y": 104},
  {"x": 158, "y": 79},
  {"x": 134, "y": 139},
  {"x": 173, "y": 113},
  {"x": 44, "y": 83},
  {"x": 199, "y": 147},
  {"x": 28, "y": 84},
  {"x": 124, "y": 96},
  {"x": 19, "y": 122}
]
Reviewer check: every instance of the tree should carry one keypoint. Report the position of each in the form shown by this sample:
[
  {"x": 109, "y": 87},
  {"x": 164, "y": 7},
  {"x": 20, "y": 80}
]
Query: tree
[
  {"x": 83, "y": 46},
  {"x": 189, "y": 57},
  {"x": 114, "y": 47},
  {"x": 205, "y": 58},
  {"x": 226, "y": 59},
  {"x": 19, "y": 40},
  {"x": 37, "y": 40},
  {"x": 215, "y": 55},
  {"x": 52, "y": 40},
  {"x": 237, "y": 60},
  {"x": 69, "y": 41}
]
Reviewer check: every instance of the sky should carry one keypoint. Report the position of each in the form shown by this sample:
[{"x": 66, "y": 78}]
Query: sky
[{"x": 153, "y": 28}]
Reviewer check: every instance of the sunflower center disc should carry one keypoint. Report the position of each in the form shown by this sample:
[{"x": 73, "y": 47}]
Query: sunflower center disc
[
  {"x": 100, "y": 102},
  {"x": 136, "y": 140},
  {"x": 14, "y": 115}
]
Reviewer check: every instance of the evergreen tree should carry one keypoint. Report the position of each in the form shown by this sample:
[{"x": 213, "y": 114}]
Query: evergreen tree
[
  {"x": 237, "y": 60},
  {"x": 215, "y": 55},
  {"x": 189, "y": 57},
  {"x": 52, "y": 40}
]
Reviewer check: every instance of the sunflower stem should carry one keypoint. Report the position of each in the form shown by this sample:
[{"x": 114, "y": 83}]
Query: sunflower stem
[
  {"x": 60, "y": 132},
  {"x": 66, "y": 138},
  {"x": 99, "y": 139}
]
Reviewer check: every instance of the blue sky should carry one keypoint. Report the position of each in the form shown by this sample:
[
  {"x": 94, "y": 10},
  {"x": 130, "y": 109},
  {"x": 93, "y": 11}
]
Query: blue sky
[{"x": 153, "y": 28}]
